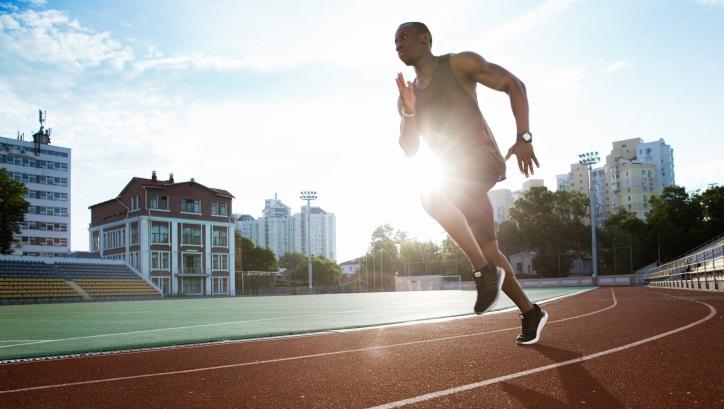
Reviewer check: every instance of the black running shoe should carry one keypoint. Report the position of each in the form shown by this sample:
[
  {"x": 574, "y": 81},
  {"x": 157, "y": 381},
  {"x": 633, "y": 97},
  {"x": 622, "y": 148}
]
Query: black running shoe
[
  {"x": 533, "y": 323},
  {"x": 488, "y": 282}
]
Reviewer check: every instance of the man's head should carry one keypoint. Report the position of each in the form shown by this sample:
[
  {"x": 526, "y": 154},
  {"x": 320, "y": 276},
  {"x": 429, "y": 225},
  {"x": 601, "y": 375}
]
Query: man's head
[{"x": 412, "y": 40}]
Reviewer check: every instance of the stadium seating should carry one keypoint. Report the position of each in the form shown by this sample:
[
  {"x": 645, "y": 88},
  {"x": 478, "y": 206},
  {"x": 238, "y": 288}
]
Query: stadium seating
[
  {"x": 33, "y": 281},
  {"x": 107, "y": 280}
]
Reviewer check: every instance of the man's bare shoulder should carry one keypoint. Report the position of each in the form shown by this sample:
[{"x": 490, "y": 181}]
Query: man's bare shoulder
[{"x": 466, "y": 62}]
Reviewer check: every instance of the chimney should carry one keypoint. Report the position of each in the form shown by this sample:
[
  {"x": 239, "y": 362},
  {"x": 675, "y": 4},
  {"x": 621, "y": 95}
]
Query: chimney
[
  {"x": 192, "y": 180},
  {"x": 170, "y": 178},
  {"x": 153, "y": 175}
]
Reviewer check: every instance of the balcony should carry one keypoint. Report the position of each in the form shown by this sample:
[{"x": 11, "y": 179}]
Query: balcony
[
  {"x": 192, "y": 239},
  {"x": 161, "y": 238}
]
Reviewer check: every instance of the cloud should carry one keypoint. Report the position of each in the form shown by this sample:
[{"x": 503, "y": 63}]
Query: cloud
[
  {"x": 501, "y": 34},
  {"x": 712, "y": 3},
  {"x": 52, "y": 37},
  {"x": 620, "y": 65},
  {"x": 204, "y": 61}
]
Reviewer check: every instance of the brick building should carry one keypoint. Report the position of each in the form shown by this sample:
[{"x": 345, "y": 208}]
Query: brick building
[{"x": 180, "y": 235}]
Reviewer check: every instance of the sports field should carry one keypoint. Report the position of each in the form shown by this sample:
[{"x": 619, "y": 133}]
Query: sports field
[{"x": 60, "y": 329}]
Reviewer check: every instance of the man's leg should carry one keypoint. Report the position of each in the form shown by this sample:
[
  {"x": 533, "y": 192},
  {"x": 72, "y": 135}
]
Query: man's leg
[
  {"x": 511, "y": 286},
  {"x": 440, "y": 208},
  {"x": 478, "y": 211}
]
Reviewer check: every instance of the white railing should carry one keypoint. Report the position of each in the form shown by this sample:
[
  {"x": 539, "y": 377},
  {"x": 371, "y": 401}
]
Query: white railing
[{"x": 703, "y": 270}]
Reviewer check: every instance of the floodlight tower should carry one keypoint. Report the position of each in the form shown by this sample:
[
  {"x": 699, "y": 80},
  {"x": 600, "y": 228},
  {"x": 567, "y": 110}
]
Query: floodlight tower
[
  {"x": 309, "y": 195},
  {"x": 589, "y": 159}
]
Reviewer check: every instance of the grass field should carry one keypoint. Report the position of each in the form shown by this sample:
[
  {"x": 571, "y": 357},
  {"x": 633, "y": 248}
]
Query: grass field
[{"x": 59, "y": 329}]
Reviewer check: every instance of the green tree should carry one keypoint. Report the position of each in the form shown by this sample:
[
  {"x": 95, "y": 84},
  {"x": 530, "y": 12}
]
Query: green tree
[
  {"x": 712, "y": 201},
  {"x": 552, "y": 224},
  {"x": 252, "y": 258},
  {"x": 676, "y": 220},
  {"x": 625, "y": 242},
  {"x": 324, "y": 271},
  {"x": 293, "y": 262},
  {"x": 12, "y": 210}
]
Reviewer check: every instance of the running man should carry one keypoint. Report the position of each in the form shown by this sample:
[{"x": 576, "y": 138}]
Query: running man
[{"x": 441, "y": 105}]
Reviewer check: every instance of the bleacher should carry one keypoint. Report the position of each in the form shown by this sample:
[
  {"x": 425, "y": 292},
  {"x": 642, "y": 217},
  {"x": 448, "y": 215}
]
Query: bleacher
[
  {"x": 699, "y": 269},
  {"x": 104, "y": 280},
  {"x": 33, "y": 282}
]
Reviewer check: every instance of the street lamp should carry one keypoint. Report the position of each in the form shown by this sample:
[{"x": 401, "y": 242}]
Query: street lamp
[
  {"x": 589, "y": 159},
  {"x": 309, "y": 195}
]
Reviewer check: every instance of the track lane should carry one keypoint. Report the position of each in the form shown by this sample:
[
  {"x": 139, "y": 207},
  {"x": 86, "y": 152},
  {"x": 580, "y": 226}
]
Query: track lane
[{"x": 367, "y": 377}]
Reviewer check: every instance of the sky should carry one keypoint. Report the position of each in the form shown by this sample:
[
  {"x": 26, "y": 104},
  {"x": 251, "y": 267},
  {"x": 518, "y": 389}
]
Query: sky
[{"x": 274, "y": 97}]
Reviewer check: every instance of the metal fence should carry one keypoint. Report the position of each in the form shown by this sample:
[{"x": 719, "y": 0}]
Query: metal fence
[{"x": 703, "y": 270}]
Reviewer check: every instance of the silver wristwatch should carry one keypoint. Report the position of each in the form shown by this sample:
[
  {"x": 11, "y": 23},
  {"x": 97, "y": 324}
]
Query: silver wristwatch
[{"x": 526, "y": 137}]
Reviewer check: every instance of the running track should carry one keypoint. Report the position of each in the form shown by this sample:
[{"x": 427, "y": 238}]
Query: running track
[{"x": 606, "y": 348}]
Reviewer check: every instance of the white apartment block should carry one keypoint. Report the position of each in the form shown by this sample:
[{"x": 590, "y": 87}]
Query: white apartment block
[
  {"x": 531, "y": 183},
  {"x": 45, "y": 171},
  {"x": 634, "y": 171},
  {"x": 248, "y": 227},
  {"x": 502, "y": 201},
  {"x": 323, "y": 228},
  {"x": 274, "y": 227}
]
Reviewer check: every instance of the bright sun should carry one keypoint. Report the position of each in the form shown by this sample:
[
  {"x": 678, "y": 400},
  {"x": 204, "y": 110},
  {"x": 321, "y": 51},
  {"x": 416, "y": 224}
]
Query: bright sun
[{"x": 426, "y": 170}]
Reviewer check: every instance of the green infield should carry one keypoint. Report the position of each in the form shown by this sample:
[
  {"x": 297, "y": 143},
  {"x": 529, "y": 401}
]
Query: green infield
[{"x": 60, "y": 329}]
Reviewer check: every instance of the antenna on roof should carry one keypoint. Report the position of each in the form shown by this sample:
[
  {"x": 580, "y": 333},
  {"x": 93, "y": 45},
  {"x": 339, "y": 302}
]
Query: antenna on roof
[{"x": 43, "y": 135}]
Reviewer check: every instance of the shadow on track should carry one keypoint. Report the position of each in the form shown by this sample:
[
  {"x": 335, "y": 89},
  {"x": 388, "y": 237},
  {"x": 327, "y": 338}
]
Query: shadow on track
[{"x": 581, "y": 388}]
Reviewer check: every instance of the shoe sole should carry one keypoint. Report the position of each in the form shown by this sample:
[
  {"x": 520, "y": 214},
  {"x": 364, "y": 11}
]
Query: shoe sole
[
  {"x": 541, "y": 324},
  {"x": 501, "y": 278}
]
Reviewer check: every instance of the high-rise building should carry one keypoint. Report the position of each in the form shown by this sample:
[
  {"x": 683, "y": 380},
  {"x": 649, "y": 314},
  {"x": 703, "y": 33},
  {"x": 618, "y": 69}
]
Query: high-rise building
[
  {"x": 45, "y": 171},
  {"x": 531, "y": 183},
  {"x": 662, "y": 156},
  {"x": 502, "y": 201},
  {"x": 248, "y": 227},
  {"x": 634, "y": 172},
  {"x": 323, "y": 233},
  {"x": 274, "y": 227}
]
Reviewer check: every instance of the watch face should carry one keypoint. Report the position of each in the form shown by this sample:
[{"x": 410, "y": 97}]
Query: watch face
[{"x": 527, "y": 136}]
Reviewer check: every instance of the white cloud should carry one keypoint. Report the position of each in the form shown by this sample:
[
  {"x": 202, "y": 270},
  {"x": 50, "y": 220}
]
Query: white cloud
[
  {"x": 503, "y": 33},
  {"x": 52, "y": 37},
  {"x": 620, "y": 65},
  {"x": 719, "y": 3}
]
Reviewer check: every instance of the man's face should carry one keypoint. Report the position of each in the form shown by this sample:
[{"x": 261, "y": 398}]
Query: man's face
[{"x": 408, "y": 44}]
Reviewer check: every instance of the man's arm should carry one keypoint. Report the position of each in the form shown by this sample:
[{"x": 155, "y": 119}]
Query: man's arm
[
  {"x": 472, "y": 68},
  {"x": 406, "y": 105}
]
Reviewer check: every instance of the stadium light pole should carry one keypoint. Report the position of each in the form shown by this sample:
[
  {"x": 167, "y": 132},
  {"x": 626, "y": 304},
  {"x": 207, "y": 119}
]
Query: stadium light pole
[
  {"x": 309, "y": 195},
  {"x": 589, "y": 159}
]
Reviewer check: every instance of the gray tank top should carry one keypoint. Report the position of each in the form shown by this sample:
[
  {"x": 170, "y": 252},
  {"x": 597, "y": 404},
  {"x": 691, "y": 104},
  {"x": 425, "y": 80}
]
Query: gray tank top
[{"x": 450, "y": 119}]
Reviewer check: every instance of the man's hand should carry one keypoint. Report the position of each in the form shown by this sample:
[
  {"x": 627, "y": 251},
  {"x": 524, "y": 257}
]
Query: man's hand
[
  {"x": 525, "y": 155},
  {"x": 407, "y": 94}
]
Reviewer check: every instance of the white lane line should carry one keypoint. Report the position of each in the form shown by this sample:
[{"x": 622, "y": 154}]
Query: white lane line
[
  {"x": 22, "y": 340},
  {"x": 458, "y": 389},
  {"x": 269, "y": 361}
]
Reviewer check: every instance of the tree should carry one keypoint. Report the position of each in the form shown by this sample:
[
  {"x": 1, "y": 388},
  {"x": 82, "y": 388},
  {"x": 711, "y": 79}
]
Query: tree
[
  {"x": 12, "y": 210},
  {"x": 324, "y": 271},
  {"x": 293, "y": 262},
  {"x": 252, "y": 258},
  {"x": 552, "y": 224},
  {"x": 712, "y": 201},
  {"x": 676, "y": 220}
]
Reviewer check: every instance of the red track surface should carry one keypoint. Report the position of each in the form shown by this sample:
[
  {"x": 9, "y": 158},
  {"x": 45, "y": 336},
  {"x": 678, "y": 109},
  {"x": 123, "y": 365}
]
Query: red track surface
[{"x": 367, "y": 368}]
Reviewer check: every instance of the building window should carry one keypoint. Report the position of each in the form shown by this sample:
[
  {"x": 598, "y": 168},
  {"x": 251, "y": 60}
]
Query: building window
[
  {"x": 191, "y": 206},
  {"x": 159, "y": 234},
  {"x": 220, "y": 262},
  {"x": 214, "y": 208},
  {"x": 221, "y": 285},
  {"x": 223, "y": 211},
  {"x": 160, "y": 260},
  {"x": 133, "y": 259},
  {"x": 159, "y": 202},
  {"x": 191, "y": 235},
  {"x": 135, "y": 202},
  {"x": 114, "y": 239},
  {"x": 191, "y": 286},
  {"x": 219, "y": 238},
  {"x": 134, "y": 234},
  {"x": 192, "y": 264},
  {"x": 96, "y": 241},
  {"x": 164, "y": 283}
]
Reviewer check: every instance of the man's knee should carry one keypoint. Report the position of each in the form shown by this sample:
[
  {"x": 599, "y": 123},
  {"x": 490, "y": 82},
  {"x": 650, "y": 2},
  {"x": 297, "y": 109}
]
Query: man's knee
[{"x": 433, "y": 202}]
